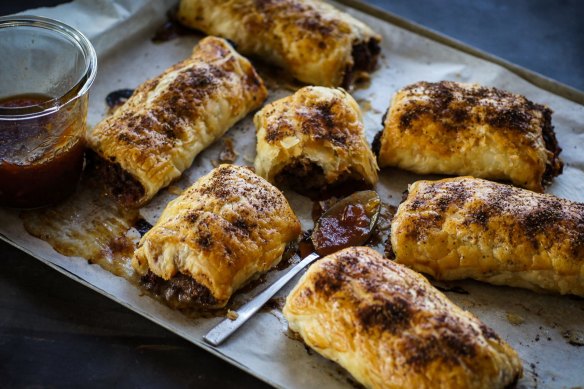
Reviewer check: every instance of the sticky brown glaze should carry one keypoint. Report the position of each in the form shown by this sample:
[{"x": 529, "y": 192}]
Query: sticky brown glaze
[
  {"x": 169, "y": 119},
  {"x": 389, "y": 327},
  {"x": 314, "y": 42},
  {"x": 472, "y": 228},
  {"x": 466, "y": 129}
]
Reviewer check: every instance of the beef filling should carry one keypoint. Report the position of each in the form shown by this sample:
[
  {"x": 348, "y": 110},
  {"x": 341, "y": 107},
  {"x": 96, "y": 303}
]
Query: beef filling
[
  {"x": 555, "y": 166},
  {"x": 121, "y": 184},
  {"x": 376, "y": 144},
  {"x": 365, "y": 56},
  {"x": 308, "y": 179},
  {"x": 179, "y": 292}
]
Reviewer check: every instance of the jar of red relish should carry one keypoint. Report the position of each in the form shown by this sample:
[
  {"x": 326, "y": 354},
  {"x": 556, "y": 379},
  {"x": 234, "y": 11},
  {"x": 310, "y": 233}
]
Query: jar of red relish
[{"x": 46, "y": 71}]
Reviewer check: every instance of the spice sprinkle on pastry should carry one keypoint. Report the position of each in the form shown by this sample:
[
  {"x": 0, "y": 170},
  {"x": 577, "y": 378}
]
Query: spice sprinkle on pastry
[
  {"x": 227, "y": 228},
  {"x": 313, "y": 41},
  {"x": 313, "y": 140},
  {"x": 390, "y": 328},
  {"x": 472, "y": 228},
  {"x": 466, "y": 129},
  {"x": 151, "y": 139}
]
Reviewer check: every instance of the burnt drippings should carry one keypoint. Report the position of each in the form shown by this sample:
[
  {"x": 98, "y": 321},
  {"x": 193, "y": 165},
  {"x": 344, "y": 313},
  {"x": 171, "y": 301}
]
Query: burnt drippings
[
  {"x": 252, "y": 284},
  {"x": 450, "y": 288},
  {"x": 388, "y": 249},
  {"x": 288, "y": 257},
  {"x": 180, "y": 292},
  {"x": 228, "y": 153},
  {"x": 117, "y": 98},
  {"x": 172, "y": 28},
  {"x": 574, "y": 337},
  {"x": 142, "y": 226},
  {"x": 274, "y": 304}
]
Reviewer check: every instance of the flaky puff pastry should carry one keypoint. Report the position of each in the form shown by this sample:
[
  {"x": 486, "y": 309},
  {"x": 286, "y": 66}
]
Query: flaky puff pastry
[
  {"x": 149, "y": 141},
  {"x": 465, "y": 129},
  {"x": 312, "y": 40},
  {"x": 314, "y": 137},
  {"x": 471, "y": 228},
  {"x": 222, "y": 231},
  {"x": 390, "y": 328}
]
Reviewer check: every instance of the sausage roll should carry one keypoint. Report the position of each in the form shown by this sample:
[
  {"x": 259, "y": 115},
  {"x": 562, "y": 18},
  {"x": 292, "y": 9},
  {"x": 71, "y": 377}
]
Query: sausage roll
[
  {"x": 390, "y": 328},
  {"x": 313, "y": 139},
  {"x": 471, "y": 228},
  {"x": 149, "y": 141},
  {"x": 465, "y": 129},
  {"x": 230, "y": 226},
  {"x": 310, "y": 39}
]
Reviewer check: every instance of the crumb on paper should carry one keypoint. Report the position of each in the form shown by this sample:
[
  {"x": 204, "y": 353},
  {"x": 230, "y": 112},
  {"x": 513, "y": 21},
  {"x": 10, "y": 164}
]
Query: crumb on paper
[
  {"x": 365, "y": 105},
  {"x": 232, "y": 315},
  {"x": 175, "y": 190},
  {"x": 574, "y": 337},
  {"x": 515, "y": 319},
  {"x": 228, "y": 154}
]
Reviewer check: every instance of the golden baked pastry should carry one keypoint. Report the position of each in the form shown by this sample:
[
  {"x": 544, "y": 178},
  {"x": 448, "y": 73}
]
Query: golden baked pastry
[
  {"x": 390, "y": 328},
  {"x": 149, "y": 141},
  {"x": 471, "y": 228},
  {"x": 312, "y": 40},
  {"x": 313, "y": 139},
  {"x": 225, "y": 229},
  {"x": 465, "y": 129}
]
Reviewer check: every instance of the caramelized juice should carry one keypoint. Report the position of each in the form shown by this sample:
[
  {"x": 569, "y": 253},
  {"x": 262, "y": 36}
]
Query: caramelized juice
[{"x": 41, "y": 158}]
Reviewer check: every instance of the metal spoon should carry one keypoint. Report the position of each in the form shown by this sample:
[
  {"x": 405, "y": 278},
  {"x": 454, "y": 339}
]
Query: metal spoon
[{"x": 349, "y": 222}]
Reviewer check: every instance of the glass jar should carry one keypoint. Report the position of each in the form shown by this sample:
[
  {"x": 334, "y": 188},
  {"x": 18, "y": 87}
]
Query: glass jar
[{"x": 46, "y": 70}]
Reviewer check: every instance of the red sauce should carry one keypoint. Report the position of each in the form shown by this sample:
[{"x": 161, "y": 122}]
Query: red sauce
[
  {"x": 40, "y": 159},
  {"x": 305, "y": 246},
  {"x": 349, "y": 228}
]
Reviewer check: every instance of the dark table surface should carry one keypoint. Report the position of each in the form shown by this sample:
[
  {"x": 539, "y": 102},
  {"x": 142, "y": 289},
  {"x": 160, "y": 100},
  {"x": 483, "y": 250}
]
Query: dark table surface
[{"x": 56, "y": 332}]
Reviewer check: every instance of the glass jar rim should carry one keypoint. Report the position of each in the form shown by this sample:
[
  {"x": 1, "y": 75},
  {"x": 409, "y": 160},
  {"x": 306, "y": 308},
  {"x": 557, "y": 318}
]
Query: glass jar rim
[{"x": 80, "y": 88}]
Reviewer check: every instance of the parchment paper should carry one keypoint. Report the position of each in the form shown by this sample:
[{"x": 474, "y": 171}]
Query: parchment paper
[{"x": 538, "y": 326}]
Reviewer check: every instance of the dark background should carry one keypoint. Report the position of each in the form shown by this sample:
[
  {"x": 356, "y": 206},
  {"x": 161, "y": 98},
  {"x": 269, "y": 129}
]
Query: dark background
[{"x": 56, "y": 332}]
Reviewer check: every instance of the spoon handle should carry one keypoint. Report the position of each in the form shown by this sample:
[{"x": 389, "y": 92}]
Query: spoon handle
[{"x": 224, "y": 329}]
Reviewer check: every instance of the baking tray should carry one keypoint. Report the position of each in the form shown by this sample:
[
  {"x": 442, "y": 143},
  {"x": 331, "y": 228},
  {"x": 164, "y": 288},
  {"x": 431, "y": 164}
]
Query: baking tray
[{"x": 545, "y": 329}]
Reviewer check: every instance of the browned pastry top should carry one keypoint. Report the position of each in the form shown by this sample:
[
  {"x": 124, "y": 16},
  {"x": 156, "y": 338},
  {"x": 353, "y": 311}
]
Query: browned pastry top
[
  {"x": 151, "y": 139},
  {"x": 311, "y": 39},
  {"x": 225, "y": 229},
  {"x": 541, "y": 219},
  {"x": 390, "y": 328},
  {"x": 467, "y": 129}
]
